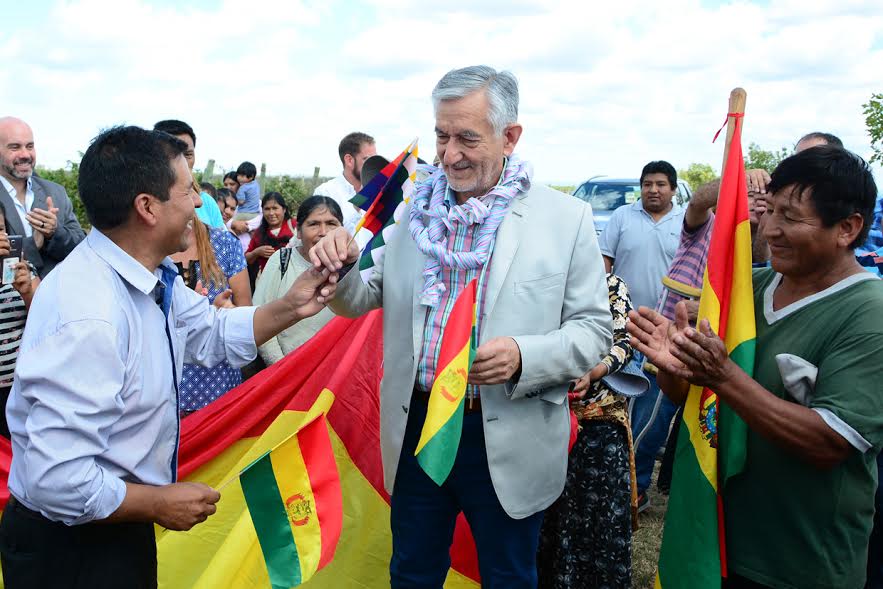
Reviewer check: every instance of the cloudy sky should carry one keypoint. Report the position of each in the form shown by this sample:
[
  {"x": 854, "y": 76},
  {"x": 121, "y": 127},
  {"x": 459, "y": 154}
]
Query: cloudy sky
[{"x": 605, "y": 87}]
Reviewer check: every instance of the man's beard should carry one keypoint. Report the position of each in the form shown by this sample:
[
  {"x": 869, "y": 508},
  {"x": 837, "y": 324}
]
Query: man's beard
[
  {"x": 16, "y": 174},
  {"x": 357, "y": 173}
]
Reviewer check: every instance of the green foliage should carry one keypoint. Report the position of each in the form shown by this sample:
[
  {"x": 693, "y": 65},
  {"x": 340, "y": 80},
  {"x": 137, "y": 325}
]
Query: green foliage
[
  {"x": 697, "y": 174},
  {"x": 295, "y": 190},
  {"x": 759, "y": 158},
  {"x": 873, "y": 110},
  {"x": 564, "y": 189},
  {"x": 67, "y": 177}
]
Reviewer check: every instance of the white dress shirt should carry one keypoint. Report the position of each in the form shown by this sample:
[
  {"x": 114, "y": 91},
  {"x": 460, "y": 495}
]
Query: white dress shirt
[
  {"x": 94, "y": 402},
  {"x": 21, "y": 209}
]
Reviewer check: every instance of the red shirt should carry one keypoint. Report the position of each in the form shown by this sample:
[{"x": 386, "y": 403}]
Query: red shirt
[{"x": 262, "y": 236}]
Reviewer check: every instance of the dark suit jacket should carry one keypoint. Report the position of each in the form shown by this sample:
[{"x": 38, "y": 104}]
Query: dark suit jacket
[{"x": 67, "y": 235}]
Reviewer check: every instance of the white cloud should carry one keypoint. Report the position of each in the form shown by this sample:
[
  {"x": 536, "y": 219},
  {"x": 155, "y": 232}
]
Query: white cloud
[{"x": 604, "y": 88}]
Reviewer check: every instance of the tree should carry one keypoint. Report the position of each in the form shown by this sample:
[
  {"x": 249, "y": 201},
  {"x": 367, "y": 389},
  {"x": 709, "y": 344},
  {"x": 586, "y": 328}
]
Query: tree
[
  {"x": 763, "y": 159},
  {"x": 873, "y": 110},
  {"x": 68, "y": 178},
  {"x": 697, "y": 174}
]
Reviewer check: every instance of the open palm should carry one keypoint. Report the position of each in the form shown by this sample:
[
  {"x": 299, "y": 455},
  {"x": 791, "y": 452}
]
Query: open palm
[{"x": 653, "y": 335}]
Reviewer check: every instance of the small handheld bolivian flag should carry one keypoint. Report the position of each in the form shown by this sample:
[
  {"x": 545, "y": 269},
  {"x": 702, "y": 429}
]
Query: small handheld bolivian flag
[
  {"x": 293, "y": 496},
  {"x": 440, "y": 438}
]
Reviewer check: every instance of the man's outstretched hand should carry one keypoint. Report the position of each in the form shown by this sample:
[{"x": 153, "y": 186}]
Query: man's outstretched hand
[{"x": 334, "y": 251}]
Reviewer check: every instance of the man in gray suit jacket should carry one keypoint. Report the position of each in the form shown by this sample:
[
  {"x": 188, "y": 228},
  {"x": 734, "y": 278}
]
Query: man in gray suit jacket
[
  {"x": 37, "y": 209},
  {"x": 543, "y": 320}
]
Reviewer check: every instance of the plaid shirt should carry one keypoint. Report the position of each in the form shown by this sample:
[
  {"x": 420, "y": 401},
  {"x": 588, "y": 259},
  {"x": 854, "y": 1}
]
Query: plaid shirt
[
  {"x": 455, "y": 280},
  {"x": 684, "y": 277}
]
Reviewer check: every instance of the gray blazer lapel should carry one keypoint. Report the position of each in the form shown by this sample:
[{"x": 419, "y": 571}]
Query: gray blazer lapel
[
  {"x": 39, "y": 195},
  {"x": 13, "y": 221},
  {"x": 505, "y": 247}
]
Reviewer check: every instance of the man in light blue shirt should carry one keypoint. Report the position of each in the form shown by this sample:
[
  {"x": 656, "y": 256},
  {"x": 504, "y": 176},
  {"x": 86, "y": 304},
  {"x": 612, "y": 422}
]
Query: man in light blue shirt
[
  {"x": 640, "y": 240},
  {"x": 207, "y": 208},
  {"x": 638, "y": 245},
  {"x": 93, "y": 411}
]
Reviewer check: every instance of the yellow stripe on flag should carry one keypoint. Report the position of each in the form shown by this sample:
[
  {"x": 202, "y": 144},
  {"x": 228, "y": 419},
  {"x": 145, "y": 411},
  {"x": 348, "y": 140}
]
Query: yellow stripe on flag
[
  {"x": 447, "y": 393},
  {"x": 740, "y": 327},
  {"x": 297, "y": 496},
  {"x": 709, "y": 308}
]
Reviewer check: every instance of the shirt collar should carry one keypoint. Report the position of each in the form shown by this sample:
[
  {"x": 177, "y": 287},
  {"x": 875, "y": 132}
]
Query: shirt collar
[
  {"x": 11, "y": 189},
  {"x": 639, "y": 206},
  {"x": 451, "y": 198},
  {"x": 129, "y": 269}
]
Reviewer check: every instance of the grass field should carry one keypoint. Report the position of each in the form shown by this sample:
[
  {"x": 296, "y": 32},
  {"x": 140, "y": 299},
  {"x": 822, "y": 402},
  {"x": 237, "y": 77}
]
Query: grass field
[{"x": 646, "y": 541}]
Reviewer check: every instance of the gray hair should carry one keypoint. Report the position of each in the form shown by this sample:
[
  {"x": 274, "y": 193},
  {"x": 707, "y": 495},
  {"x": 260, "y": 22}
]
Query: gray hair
[{"x": 501, "y": 87}]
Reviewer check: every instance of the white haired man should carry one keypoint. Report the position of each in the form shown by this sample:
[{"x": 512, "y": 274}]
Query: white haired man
[{"x": 543, "y": 320}]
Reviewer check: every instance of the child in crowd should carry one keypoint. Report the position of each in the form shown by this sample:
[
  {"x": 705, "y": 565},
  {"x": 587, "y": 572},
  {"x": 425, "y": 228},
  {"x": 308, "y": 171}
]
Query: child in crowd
[{"x": 249, "y": 193}]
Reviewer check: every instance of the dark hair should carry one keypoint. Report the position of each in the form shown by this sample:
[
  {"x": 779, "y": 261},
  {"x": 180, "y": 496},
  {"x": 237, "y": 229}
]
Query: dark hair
[
  {"x": 352, "y": 144},
  {"x": 120, "y": 164},
  {"x": 175, "y": 127},
  {"x": 661, "y": 167},
  {"x": 828, "y": 138},
  {"x": 231, "y": 176},
  {"x": 838, "y": 182},
  {"x": 221, "y": 194},
  {"x": 263, "y": 231},
  {"x": 307, "y": 207},
  {"x": 209, "y": 188},
  {"x": 246, "y": 169}
]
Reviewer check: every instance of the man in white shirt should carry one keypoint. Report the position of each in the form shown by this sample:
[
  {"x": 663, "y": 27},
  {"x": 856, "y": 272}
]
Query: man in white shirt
[
  {"x": 353, "y": 150},
  {"x": 93, "y": 410}
]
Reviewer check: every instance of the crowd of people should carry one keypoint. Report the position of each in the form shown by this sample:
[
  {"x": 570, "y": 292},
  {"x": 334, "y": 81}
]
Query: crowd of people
[{"x": 586, "y": 347}]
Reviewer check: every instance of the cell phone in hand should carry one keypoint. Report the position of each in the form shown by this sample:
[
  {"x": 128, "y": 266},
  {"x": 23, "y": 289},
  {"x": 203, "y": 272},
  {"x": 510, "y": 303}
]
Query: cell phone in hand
[{"x": 10, "y": 260}]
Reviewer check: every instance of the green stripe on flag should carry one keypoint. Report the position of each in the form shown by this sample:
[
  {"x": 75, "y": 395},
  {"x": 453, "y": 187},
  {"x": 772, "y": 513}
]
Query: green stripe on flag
[
  {"x": 438, "y": 455},
  {"x": 271, "y": 522},
  {"x": 732, "y": 431},
  {"x": 689, "y": 555},
  {"x": 743, "y": 356}
]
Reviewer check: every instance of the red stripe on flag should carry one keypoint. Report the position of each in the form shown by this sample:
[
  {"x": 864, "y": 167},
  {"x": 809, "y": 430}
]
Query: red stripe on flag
[
  {"x": 721, "y": 250},
  {"x": 318, "y": 454},
  {"x": 458, "y": 328}
]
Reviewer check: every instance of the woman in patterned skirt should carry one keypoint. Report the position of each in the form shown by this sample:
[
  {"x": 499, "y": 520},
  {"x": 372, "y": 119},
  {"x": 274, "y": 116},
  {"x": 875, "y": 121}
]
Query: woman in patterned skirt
[{"x": 586, "y": 536}]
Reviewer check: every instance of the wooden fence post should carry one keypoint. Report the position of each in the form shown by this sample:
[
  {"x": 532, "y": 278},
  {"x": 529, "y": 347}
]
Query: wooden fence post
[{"x": 209, "y": 172}]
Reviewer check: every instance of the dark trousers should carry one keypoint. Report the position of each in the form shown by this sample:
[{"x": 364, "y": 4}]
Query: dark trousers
[
  {"x": 663, "y": 482},
  {"x": 737, "y": 582},
  {"x": 423, "y": 517},
  {"x": 36, "y": 552},
  {"x": 4, "y": 397}
]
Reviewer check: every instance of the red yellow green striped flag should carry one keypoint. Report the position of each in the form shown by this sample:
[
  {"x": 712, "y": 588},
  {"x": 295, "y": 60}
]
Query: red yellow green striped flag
[
  {"x": 293, "y": 496},
  {"x": 711, "y": 445},
  {"x": 440, "y": 437}
]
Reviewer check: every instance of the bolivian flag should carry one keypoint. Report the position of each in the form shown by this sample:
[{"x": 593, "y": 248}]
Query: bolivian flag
[
  {"x": 440, "y": 438},
  {"x": 711, "y": 445},
  {"x": 293, "y": 496}
]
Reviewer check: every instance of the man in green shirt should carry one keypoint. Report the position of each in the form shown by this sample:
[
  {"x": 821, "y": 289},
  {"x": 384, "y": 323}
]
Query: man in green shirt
[{"x": 800, "y": 514}]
